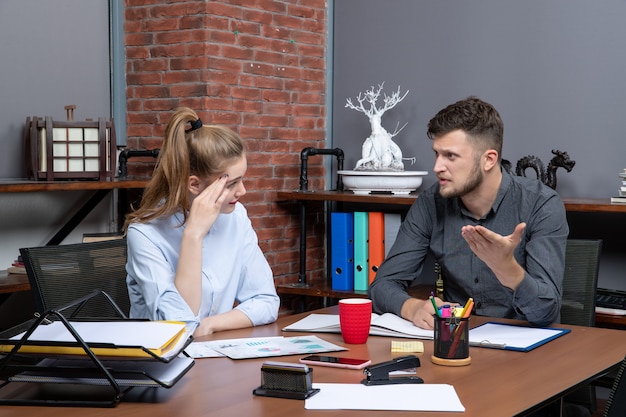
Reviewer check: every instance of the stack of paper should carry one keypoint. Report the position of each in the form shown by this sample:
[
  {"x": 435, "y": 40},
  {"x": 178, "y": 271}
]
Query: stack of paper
[
  {"x": 387, "y": 324},
  {"x": 400, "y": 397},
  {"x": 119, "y": 338}
]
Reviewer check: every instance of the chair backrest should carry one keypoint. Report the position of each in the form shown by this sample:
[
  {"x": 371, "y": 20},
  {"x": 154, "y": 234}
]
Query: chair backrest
[
  {"x": 60, "y": 274},
  {"x": 578, "y": 305},
  {"x": 582, "y": 261},
  {"x": 616, "y": 403}
]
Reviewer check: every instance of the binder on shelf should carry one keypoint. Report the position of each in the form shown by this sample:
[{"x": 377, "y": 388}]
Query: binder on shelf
[
  {"x": 342, "y": 250},
  {"x": 51, "y": 349},
  {"x": 361, "y": 270},
  {"x": 392, "y": 225},
  {"x": 376, "y": 233}
]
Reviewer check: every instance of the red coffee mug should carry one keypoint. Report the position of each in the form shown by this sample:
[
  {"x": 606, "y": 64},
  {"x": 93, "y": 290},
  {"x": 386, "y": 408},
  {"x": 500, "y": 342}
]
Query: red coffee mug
[{"x": 355, "y": 317}]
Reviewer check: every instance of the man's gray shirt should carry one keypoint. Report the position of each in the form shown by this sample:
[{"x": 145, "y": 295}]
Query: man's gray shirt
[{"x": 434, "y": 223}]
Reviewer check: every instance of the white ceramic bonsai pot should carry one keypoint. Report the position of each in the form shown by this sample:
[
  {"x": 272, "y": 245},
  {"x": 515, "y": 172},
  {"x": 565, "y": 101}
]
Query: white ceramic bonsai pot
[{"x": 396, "y": 182}]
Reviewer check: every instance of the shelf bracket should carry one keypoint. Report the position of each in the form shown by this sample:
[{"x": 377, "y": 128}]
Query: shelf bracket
[{"x": 304, "y": 182}]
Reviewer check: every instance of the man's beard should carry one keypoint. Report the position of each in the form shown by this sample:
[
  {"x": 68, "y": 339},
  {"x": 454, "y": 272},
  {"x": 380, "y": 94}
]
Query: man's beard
[{"x": 473, "y": 181}]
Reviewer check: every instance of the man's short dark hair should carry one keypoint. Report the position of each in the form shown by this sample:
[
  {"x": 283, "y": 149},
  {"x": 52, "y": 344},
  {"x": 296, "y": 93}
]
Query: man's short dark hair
[{"x": 479, "y": 119}]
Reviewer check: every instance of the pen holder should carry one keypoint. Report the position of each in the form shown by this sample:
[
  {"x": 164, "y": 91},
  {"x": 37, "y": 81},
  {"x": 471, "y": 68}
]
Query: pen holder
[{"x": 451, "y": 341}]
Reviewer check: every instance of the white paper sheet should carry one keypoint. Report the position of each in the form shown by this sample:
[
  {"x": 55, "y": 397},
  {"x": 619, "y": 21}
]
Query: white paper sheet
[
  {"x": 263, "y": 347},
  {"x": 199, "y": 350},
  {"x": 149, "y": 334},
  {"x": 399, "y": 397}
]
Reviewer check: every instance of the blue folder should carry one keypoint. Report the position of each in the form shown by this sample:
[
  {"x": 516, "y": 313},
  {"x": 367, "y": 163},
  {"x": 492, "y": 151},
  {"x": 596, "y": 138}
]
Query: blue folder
[
  {"x": 513, "y": 337},
  {"x": 342, "y": 251}
]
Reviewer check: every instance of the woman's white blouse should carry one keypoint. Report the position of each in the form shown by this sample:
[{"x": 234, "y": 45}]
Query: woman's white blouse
[{"x": 235, "y": 272}]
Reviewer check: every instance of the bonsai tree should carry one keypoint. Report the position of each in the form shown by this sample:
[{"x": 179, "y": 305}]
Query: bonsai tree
[{"x": 379, "y": 152}]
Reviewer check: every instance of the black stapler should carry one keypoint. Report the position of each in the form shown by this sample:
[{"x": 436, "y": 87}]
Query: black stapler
[{"x": 379, "y": 374}]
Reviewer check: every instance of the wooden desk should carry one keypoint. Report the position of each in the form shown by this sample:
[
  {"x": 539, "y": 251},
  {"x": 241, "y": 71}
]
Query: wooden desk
[{"x": 497, "y": 383}]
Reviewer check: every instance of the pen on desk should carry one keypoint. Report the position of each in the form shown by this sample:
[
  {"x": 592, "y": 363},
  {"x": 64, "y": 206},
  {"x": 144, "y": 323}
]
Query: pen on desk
[
  {"x": 467, "y": 311},
  {"x": 458, "y": 331},
  {"x": 456, "y": 341},
  {"x": 487, "y": 343}
]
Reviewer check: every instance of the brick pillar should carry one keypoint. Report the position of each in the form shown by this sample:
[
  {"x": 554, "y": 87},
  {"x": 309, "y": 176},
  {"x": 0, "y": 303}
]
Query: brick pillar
[{"x": 259, "y": 69}]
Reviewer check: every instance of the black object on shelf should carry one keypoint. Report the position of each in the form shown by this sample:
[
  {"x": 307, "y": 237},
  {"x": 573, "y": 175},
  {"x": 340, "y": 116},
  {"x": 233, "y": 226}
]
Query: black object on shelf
[
  {"x": 126, "y": 154},
  {"x": 304, "y": 184},
  {"x": 611, "y": 298}
]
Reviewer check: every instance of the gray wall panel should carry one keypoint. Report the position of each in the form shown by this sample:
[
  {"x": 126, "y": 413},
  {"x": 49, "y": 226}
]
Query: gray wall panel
[
  {"x": 555, "y": 70},
  {"x": 54, "y": 53}
]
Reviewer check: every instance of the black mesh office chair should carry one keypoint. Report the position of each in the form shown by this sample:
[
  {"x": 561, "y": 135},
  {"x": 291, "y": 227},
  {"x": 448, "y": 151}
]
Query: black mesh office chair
[
  {"x": 60, "y": 274},
  {"x": 582, "y": 261},
  {"x": 616, "y": 404}
]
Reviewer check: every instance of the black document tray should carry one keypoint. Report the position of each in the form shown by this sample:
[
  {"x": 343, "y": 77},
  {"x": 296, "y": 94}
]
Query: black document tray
[{"x": 73, "y": 380}]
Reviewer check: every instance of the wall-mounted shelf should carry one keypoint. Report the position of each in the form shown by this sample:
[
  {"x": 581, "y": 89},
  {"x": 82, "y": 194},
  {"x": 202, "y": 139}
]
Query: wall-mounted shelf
[
  {"x": 10, "y": 283},
  {"x": 585, "y": 205},
  {"x": 592, "y": 205},
  {"x": 348, "y": 197},
  {"x": 27, "y": 186},
  {"x": 101, "y": 189}
]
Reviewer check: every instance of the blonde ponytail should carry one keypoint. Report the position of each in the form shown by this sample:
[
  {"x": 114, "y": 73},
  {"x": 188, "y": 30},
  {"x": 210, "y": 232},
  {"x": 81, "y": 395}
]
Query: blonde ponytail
[{"x": 204, "y": 151}]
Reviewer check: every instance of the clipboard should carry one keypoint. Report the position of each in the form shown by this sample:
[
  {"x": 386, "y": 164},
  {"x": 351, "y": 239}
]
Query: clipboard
[{"x": 514, "y": 337}]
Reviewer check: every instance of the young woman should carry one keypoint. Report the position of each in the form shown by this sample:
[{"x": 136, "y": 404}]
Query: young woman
[{"x": 192, "y": 253}]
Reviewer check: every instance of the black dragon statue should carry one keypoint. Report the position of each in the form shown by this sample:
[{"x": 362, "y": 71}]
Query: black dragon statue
[{"x": 548, "y": 177}]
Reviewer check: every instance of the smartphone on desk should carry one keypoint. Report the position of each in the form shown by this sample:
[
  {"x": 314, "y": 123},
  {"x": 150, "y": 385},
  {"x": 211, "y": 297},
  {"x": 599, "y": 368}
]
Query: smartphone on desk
[{"x": 350, "y": 363}]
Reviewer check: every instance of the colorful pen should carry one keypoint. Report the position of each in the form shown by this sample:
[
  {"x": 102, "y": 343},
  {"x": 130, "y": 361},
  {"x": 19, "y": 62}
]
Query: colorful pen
[
  {"x": 432, "y": 300},
  {"x": 467, "y": 310}
]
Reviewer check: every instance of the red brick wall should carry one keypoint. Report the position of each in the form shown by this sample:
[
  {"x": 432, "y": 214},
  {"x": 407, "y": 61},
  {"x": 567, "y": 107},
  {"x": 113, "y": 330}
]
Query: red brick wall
[{"x": 257, "y": 67}]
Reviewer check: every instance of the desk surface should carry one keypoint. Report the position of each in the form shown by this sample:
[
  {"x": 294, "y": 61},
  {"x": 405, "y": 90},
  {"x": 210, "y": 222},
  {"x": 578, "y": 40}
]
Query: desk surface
[{"x": 497, "y": 383}]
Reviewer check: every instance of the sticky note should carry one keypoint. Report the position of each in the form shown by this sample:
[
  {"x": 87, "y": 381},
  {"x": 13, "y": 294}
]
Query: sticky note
[{"x": 407, "y": 346}]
